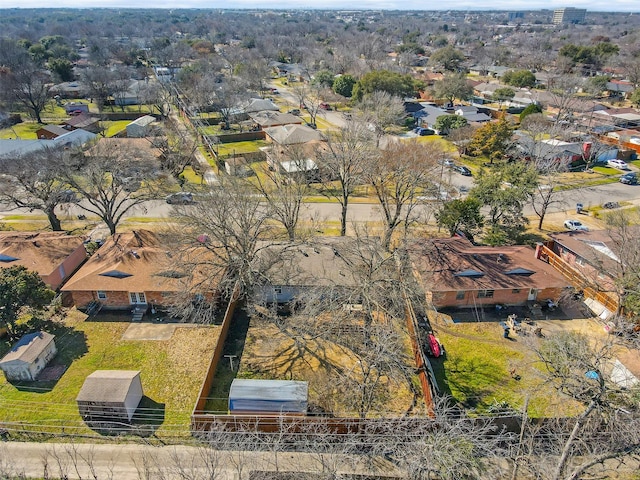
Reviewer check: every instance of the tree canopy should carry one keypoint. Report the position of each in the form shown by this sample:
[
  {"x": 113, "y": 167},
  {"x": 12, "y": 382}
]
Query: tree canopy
[
  {"x": 519, "y": 78},
  {"x": 449, "y": 58},
  {"x": 492, "y": 139},
  {"x": 453, "y": 86},
  {"x": 461, "y": 216},
  {"x": 343, "y": 85},
  {"x": 393, "y": 83},
  {"x": 20, "y": 288},
  {"x": 446, "y": 123}
]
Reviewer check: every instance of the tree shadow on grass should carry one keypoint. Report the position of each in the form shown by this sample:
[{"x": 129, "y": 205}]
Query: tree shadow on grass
[{"x": 70, "y": 343}]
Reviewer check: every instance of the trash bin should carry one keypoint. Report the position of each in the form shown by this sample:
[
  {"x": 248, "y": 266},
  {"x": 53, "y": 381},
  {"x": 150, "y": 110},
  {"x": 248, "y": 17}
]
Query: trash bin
[{"x": 579, "y": 208}]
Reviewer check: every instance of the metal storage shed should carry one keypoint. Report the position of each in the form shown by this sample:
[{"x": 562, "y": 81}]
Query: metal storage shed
[
  {"x": 140, "y": 127},
  {"x": 268, "y": 396}
]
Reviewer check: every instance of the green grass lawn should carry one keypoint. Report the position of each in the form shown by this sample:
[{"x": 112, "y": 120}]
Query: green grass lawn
[
  {"x": 22, "y": 131},
  {"x": 113, "y": 128},
  {"x": 476, "y": 371},
  {"x": 172, "y": 372},
  {"x": 606, "y": 170},
  {"x": 239, "y": 148}
]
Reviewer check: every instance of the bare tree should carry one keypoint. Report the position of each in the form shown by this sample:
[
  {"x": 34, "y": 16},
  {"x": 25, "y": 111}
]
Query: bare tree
[
  {"x": 216, "y": 241},
  {"x": 342, "y": 165},
  {"x": 99, "y": 81},
  {"x": 379, "y": 111},
  {"x": 24, "y": 83},
  {"x": 177, "y": 148},
  {"x": 310, "y": 98},
  {"x": 112, "y": 179},
  {"x": 399, "y": 177},
  {"x": 35, "y": 182},
  {"x": 608, "y": 424},
  {"x": 285, "y": 191}
]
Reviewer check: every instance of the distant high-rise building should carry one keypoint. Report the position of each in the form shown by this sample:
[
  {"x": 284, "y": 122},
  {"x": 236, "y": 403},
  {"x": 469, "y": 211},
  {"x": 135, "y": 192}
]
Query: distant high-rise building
[
  {"x": 515, "y": 16},
  {"x": 569, "y": 15}
]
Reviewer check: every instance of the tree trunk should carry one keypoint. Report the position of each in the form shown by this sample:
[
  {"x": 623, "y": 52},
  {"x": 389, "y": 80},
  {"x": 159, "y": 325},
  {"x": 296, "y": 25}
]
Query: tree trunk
[
  {"x": 564, "y": 457},
  {"x": 54, "y": 221},
  {"x": 343, "y": 218},
  {"x": 112, "y": 226},
  {"x": 542, "y": 214}
]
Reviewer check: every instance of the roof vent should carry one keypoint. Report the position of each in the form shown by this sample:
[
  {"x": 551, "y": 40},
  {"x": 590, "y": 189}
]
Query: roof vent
[
  {"x": 469, "y": 273},
  {"x": 116, "y": 274},
  {"x": 520, "y": 271}
]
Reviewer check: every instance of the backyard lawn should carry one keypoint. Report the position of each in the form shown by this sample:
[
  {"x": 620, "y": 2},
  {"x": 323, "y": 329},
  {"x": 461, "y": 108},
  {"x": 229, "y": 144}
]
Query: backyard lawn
[
  {"x": 482, "y": 369},
  {"x": 172, "y": 373}
]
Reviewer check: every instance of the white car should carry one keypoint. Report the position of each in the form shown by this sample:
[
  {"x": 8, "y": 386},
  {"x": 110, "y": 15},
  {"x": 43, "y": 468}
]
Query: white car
[
  {"x": 619, "y": 164},
  {"x": 575, "y": 226}
]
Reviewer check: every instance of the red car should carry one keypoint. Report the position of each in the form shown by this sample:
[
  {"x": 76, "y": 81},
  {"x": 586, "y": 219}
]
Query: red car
[{"x": 325, "y": 106}]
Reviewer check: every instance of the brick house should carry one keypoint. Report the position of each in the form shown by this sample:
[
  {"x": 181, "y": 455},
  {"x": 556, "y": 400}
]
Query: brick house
[
  {"x": 131, "y": 270},
  {"x": 591, "y": 261},
  {"x": 456, "y": 273},
  {"x": 53, "y": 255}
]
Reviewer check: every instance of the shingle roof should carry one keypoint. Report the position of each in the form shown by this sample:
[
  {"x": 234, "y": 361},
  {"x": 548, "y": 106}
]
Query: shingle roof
[
  {"x": 445, "y": 265},
  {"x": 139, "y": 256},
  {"x": 293, "y": 134},
  {"x": 28, "y": 347},
  {"x": 107, "y": 386},
  {"x": 55, "y": 129},
  {"x": 41, "y": 252},
  {"x": 269, "y": 118}
]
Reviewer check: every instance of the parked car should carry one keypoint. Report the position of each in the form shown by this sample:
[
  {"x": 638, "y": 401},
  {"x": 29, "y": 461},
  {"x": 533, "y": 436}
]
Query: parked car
[
  {"x": 447, "y": 162},
  {"x": 294, "y": 111},
  {"x": 180, "y": 198},
  {"x": 274, "y": 91},
  {"x": 575, "y": 226},
  {"x": 462, "y": 170},
  {"x": 325, "y": 106},
  {"x": 629, "y": 179},
  {"x": 619, "y": 164},
  {"x": 68, "y": 196},
  {"x": 424, "y": 131}
]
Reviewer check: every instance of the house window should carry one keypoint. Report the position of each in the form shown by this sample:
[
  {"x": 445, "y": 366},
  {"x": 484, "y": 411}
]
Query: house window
[
  {"x": 515, "y": 290},
  {"x": 485, "y": 294},
  {"x": 102, "y": 295},
  {"x": 579, "y": 261},
  {"x": 460, "y": 295}
]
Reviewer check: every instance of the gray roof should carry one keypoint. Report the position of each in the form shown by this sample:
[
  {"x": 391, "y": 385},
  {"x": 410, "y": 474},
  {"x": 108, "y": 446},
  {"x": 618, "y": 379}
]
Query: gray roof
[
  {"x": 21, "y": 147},
  {"x": 143, "y": 121},
  {"x": 28, "y": 347},
  {"x": 258, "y": 105},
  {"x": 327, "y": 262},
  {"x": 293, "y": 134},
  {"x": 270, "y": 118},
  {"x": 107, "y": 386}
]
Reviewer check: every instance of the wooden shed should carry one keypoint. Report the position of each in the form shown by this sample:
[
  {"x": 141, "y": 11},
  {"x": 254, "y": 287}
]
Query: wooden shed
[
  {"x": 110, "y": 396},
  {"x": 29, "y": 356},
  {"x": 268, "y": 397}
]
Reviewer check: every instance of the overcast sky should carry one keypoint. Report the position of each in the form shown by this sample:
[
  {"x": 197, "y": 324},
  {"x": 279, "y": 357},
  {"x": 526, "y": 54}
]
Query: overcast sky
[{"x": 602, "y": 5}]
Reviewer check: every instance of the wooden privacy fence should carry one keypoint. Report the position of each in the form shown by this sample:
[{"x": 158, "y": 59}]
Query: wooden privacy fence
[
  {"x": 217, "y": 353},
  {"x": 577, "y": 279}
]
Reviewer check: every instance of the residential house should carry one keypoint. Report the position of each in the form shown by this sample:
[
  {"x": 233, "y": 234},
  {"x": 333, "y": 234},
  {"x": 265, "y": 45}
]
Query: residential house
[
  {"x": 294, "y": 272},
  {"x": 256, "y": 105},
  {"x": 619, "y": 117},
  {"x": 49, "y": 132},
  {"x": 456, "y": 273},
  {"x": 83, "y": 121},
  {"x": 428, "y": 115},
  {"x": 268, "y": 119},
  {"x": 141, "y": 127},
  {"x": 286, "y": 135},
  {"x": 591, "y": 261},
  {"x": 76, "y": 107},
  {"x": 110, "y": 396},
  {"x": 52, "y": 255},
  {"x": 29, "y": 356},
  {"x": 619, "y": 88},
  {"x": 73, "y": 89},
  {"x": 132, "y": 95},
  {"x": 131, "y": 270},
  {"x": 17, "y": 148},
  {"x": 472, "y": 114}
]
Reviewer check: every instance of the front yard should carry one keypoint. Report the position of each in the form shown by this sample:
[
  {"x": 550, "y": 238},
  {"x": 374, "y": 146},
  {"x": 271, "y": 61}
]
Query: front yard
[{"x": 171, "y": 371}]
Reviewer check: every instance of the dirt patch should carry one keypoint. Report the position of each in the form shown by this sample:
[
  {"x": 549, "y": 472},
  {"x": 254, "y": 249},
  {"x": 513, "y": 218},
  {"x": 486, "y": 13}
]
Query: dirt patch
[{"x": 149, "y": 331}]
